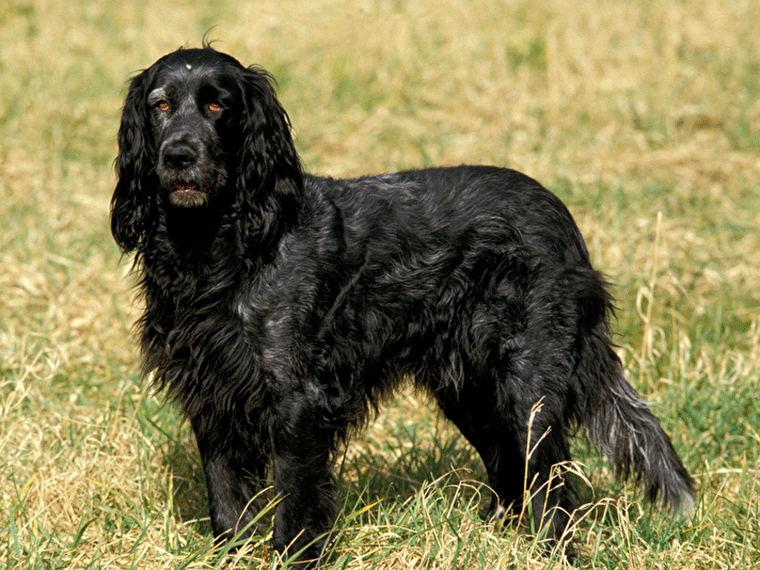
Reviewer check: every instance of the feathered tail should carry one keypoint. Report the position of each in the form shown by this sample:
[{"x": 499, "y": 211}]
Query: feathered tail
[{"x": 619, "y": 423}]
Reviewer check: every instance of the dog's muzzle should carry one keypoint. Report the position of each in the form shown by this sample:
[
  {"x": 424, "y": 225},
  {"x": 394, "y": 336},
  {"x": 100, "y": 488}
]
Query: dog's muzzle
[{"x": 188, "y": 195}]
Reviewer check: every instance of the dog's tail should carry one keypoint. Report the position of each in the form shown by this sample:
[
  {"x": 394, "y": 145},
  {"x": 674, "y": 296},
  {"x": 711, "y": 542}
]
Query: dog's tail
[
  {"x": 614, "y": 416},
  {"x": 619, "y": 422}
]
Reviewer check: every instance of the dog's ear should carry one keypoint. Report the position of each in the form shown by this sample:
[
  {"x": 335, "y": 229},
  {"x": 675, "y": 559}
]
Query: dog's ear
[
  {"x": 133, "y": 204},
  {"x": 269, "y": 178}
]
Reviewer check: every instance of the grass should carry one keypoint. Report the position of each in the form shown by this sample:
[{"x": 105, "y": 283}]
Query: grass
[{"x": 644, "y": 117}]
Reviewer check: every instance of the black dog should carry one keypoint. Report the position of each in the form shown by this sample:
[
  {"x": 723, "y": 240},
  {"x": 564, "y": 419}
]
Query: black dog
[{"x": 282, "y": 307}]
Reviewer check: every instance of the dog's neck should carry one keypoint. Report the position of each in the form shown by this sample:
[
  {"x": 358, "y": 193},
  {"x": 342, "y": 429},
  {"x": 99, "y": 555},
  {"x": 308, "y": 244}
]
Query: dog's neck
[{"x": 192, "y": 231}]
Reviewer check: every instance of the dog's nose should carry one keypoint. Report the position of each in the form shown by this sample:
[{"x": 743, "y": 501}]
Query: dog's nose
[{"x": 179, "y": 155}]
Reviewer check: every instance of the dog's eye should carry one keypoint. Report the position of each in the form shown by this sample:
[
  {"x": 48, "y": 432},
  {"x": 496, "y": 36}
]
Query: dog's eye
[
  {"x": 163, "y": 105},
  {"x": 214, "y": 107}
]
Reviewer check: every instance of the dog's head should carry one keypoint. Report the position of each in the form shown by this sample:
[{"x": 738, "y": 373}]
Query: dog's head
[{"x": 197, "y": 130}]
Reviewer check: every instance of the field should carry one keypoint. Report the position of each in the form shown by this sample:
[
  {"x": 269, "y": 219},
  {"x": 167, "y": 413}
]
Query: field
[{"x": 644, "y": 117}]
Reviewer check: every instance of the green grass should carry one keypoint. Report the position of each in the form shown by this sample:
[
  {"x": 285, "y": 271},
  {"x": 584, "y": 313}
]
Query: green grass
[{"x": 643, "y": 117}]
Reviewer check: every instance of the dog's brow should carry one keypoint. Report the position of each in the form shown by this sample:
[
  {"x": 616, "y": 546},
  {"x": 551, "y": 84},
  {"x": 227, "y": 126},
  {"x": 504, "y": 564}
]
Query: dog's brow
[{"x": 156, "y": 94}]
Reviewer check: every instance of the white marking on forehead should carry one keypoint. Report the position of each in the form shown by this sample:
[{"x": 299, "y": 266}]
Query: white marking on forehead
[{"x": 188, "y": 66}]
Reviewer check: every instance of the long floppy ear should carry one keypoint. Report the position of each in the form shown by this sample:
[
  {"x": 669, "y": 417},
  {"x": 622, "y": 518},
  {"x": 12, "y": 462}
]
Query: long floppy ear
[
  {"x": 270, "y": 179},
  {"x": 133, "y": 204}
]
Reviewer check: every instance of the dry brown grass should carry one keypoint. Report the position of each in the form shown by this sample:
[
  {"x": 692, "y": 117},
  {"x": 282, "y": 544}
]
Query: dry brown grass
[{"x": 628, "y": 109}]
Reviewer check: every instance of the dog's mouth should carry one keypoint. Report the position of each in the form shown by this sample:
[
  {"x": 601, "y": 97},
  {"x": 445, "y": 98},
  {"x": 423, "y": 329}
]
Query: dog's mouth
[{"x": 188, "y": 195}]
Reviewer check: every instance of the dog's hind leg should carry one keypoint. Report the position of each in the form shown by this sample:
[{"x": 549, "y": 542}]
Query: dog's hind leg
[
  {"x": 545, "y": 453},
  {"x": 474, "y": 413},
  {"x": 520, "y": 467}
]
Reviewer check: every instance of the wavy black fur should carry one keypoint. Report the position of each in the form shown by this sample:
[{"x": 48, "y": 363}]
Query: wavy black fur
[{"x": 282, "y": 307}]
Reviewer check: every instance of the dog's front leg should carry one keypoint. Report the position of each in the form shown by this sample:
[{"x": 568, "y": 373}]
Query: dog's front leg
[
  {"x": 234, "y": 469},
  {"x": 305, "y": 486}
]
